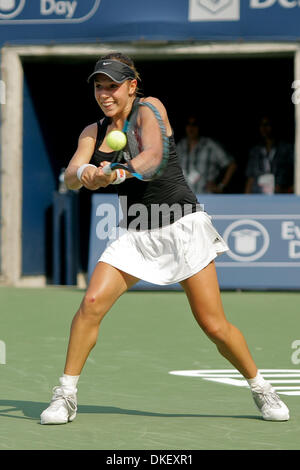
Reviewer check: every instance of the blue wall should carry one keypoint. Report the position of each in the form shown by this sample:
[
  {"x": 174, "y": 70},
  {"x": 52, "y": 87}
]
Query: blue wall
[{"x": 38, "y": 186}]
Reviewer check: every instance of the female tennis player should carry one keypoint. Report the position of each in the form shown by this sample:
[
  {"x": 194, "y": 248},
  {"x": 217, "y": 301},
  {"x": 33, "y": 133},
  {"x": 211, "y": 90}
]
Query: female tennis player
[{"x": 180, "y": 247}]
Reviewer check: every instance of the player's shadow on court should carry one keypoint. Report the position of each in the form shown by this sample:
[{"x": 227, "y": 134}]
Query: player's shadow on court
[{"x": 31, "y": 410}]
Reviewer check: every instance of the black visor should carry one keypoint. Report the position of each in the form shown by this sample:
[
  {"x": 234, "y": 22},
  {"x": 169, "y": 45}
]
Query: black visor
[{"x": 114, "y": 69}]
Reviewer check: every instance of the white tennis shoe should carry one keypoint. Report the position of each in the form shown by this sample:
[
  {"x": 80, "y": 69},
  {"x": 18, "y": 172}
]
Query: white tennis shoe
[
  {"x": 269, "y": 403},
  {"x": 63, "y": 407}
]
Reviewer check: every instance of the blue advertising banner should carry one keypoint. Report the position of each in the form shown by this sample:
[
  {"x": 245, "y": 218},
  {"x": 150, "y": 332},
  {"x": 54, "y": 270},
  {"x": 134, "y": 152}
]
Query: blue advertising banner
[
  {"x": 262, "y": 233},
  {"x": 134, "y": 20},
  {"x": 263, "y": 236}
]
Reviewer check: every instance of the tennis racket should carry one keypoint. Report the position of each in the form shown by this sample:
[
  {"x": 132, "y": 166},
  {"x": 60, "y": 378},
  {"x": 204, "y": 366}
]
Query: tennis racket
[{"x": 147, "y": 150}]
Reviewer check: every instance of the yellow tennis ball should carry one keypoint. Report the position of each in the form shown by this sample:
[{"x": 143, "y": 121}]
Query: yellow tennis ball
[{"x": 116, "y": 140}]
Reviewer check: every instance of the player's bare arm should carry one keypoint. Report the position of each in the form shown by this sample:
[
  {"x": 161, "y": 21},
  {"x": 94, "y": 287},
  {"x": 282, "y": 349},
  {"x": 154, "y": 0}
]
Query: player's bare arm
[{"x": 92, "y": 178}]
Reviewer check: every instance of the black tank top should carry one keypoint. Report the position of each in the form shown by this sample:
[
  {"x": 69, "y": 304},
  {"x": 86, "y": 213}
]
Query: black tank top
[{"x": 150, "y": 204}]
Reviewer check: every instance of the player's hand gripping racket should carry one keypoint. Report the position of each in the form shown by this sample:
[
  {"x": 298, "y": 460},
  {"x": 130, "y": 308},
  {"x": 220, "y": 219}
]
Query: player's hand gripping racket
[{"x": 147, "y": 148}]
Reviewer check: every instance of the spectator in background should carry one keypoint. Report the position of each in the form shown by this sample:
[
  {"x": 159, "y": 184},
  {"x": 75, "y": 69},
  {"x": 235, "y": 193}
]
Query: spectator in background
[
  {"x": 270, "y": 166},
  {"x": 205, "y": 164}
]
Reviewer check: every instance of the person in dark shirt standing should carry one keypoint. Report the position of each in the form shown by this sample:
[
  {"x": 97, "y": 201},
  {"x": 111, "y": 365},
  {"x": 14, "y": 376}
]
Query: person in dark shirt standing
[
  {"x": 207, "y": 167},
  {"x": 270, "y": 167}
]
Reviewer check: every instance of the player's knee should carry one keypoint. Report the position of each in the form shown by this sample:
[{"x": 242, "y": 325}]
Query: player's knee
[
  {"x": 217, "y": 332},
  {"x": 93, "y": 307}
]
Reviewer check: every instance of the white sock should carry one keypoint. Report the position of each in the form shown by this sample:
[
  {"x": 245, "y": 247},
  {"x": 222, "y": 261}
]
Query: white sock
[
  {"x": 258, "y": 380},
  {"x": 69, "y": 381}
]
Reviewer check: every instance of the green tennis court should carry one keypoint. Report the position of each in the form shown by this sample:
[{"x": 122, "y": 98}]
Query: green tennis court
[{"x": 127, "y": 397}]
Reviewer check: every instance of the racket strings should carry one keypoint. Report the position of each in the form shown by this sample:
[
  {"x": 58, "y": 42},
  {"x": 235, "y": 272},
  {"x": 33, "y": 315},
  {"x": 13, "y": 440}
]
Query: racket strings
[
  {"x": 142, "y": 164},
  {"x": 148, "y": 168}
]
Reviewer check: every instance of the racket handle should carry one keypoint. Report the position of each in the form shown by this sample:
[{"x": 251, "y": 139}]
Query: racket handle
[{"x": 107, "y": 170}]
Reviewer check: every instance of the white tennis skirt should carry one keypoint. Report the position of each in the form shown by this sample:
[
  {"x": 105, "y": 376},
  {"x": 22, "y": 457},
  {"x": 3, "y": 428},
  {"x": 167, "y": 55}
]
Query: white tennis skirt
[{"x": 169, "y": 254}]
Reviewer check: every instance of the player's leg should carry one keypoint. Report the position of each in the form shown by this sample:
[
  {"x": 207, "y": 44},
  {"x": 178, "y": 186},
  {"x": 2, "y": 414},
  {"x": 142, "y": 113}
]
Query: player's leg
[
  {"x": 106, "y": 286},
  {"x": 204, "y": 297}
]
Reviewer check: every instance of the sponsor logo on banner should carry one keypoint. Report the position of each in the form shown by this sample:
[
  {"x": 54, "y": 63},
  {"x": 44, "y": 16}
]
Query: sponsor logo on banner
[
  {"x": 214, "y": 10},
  {"x": 11, "y": 8},
  {"x": 229, "y": 10},
  {"x": 248, "y": 240},
  {"x": 264, "y": 240},
  {"x": 47, "y": 11},
  {"x": 260, "y": 4},
  {"x": 284, "y": 381}
]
